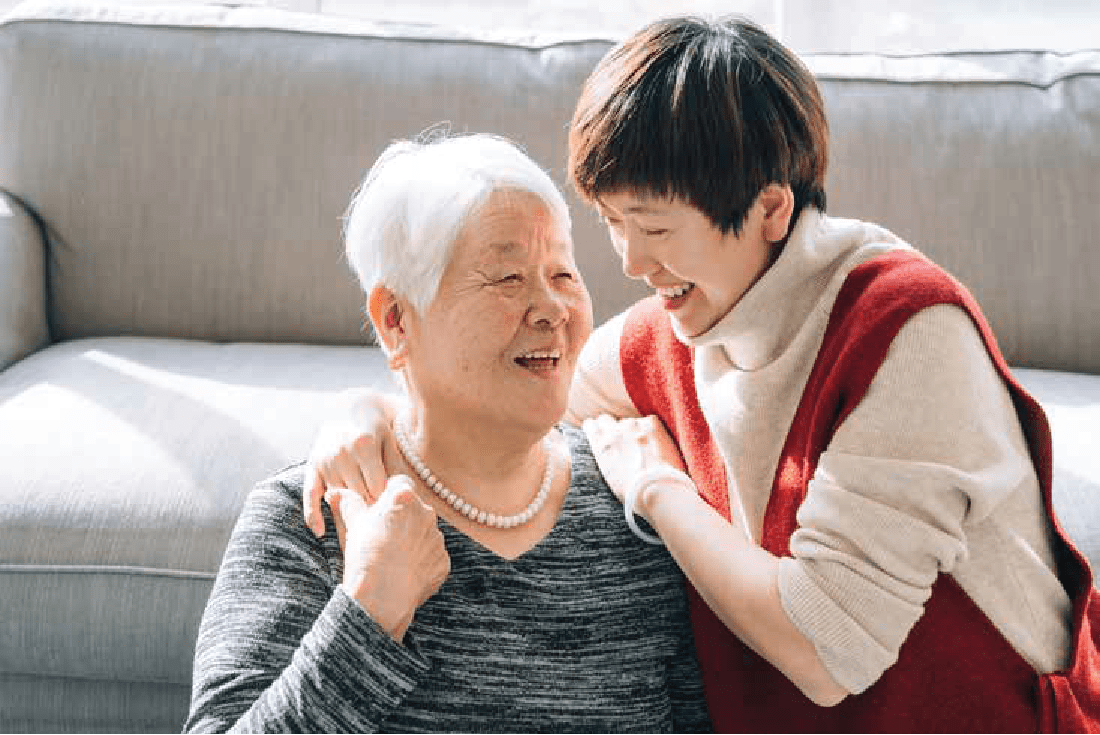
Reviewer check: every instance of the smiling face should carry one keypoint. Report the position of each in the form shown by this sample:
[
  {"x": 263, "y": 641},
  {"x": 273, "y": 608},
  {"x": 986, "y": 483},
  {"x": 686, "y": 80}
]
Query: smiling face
[
  {"x": 500, "y": 340},
  {"x": 699, "y": 272}
]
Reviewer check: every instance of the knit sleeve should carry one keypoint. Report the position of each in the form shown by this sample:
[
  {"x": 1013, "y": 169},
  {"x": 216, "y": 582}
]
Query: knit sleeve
[
  {"x": 281, "y": 648},
  {"x": 598, "y": 387},
  {"x": 932, "y": 460}
]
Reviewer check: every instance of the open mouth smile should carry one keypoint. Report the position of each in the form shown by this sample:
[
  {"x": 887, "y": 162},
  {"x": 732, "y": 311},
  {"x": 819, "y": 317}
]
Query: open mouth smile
[
  {"x": 539, "y": 359},
  {"x": 674, "y": 296}
]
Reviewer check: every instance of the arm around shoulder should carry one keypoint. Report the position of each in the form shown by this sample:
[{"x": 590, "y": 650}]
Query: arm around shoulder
[{"x": 598, "y": 387}]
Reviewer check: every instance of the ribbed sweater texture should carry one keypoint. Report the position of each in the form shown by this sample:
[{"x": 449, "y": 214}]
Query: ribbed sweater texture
[{"x": 586, "y": 632}]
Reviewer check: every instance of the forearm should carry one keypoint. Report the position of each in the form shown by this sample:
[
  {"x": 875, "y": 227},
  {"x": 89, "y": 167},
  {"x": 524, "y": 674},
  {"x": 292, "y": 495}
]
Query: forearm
[
  {"x": 280, "y": 648},
  {"x": 740, "y": 584},
  {"x": 598, "y": 387},
  {"x": 320, "y": 689}
]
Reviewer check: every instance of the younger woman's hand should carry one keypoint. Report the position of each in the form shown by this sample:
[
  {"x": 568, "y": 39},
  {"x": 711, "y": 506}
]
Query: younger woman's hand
[
  {"x": 351, "y": 451},
  {"x": 626, "y": 448}
]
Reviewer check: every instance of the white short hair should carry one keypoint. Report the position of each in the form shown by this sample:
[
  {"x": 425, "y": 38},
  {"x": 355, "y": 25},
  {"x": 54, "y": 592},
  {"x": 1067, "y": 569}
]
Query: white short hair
[{"x": 403, "y": 221}]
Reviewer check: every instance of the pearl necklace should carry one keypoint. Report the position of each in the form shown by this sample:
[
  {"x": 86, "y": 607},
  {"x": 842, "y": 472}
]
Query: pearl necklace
[{"x": 473, "y": 513}]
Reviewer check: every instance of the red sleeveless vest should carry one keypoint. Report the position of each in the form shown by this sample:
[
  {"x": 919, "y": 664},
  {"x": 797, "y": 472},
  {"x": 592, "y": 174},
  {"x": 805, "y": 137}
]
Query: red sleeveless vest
[{"x": 955, "y": 672}]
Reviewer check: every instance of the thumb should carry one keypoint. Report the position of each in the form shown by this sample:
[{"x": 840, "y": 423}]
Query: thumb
[
  {"x": 346, "y": 504},
  {"x": 398, "y": 484}
]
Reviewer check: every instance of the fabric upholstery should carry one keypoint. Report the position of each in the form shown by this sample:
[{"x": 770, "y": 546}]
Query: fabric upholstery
[
  {"x": 126, "y": 463},
  {"x": 23, "y": 327},
  {"x": 232, "y": 154},
  {"x": 987, "y": 163},
  {"x": 1072, "y": 403},
  {"x": 46, "y": 704}
]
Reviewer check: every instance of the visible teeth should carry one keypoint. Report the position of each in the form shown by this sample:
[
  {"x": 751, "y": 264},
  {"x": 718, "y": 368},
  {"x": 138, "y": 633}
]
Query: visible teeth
[
  {"x": 553, "y": 354},
  {"x": 672, "y": 292}
]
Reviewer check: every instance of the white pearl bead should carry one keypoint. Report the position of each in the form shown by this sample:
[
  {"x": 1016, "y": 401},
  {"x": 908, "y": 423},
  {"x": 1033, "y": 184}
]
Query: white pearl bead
[{"x": 460, "y": 505}]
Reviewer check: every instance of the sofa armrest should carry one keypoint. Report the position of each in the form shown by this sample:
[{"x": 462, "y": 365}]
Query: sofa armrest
[{"x": 23, "y": 324}]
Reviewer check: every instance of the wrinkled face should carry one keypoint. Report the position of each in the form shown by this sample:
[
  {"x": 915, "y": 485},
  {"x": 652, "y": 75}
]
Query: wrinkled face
[
  {"x": 699, "y": 273},
  {"x": 500, "y": 340}
]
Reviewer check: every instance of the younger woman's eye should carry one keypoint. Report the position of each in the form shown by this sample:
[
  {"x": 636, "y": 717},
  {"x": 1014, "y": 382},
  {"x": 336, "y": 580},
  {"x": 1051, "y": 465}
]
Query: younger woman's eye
[{"x": 656, "y": 232}]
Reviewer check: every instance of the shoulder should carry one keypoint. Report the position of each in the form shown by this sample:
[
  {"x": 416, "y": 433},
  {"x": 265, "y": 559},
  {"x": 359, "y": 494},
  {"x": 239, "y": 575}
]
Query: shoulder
[
  {"x": 879, "y": 296},
  {"x": 272, "y": 519},
  {"x": 899, "y": 279},
  {"x": 597, "y": 511},
  {"x": 598, "y": 520},
  {"x": 280, "y": 491},
  {"x": 586, "y": 473}
]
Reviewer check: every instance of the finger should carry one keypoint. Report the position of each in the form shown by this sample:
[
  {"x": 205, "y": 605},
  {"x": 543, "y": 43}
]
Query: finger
[
  {"x": 601, "y": 437},
  {"x": 351, "y": 504},
  {"x": 399, "y": 489},
  {"x": 311, "y": 501},
  {"x": 346, "y": 465},
  {"x": 371, "y": 461},
  {"x": 335, "y": 499},
  {"x": 593, "y": 430},
  {"x": 596, "y": 423}
]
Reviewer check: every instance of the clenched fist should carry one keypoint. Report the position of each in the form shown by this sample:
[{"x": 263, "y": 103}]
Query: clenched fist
[{"x": 394, "y": 557}]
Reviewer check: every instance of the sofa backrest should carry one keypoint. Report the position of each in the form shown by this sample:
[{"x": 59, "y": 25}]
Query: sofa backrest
[
  {"x": 191, "y": 164},
  {"x": 990, "y": 164}
]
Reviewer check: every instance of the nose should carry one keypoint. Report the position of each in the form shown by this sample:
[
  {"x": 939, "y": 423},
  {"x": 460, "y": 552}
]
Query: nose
[
  {"x": 548, "y": 308},
  {"x": 636, "y": 261}
]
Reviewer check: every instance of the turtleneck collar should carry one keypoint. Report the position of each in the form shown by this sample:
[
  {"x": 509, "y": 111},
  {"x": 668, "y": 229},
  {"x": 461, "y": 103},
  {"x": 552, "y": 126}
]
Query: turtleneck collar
[{"x": 762, "y": 324}]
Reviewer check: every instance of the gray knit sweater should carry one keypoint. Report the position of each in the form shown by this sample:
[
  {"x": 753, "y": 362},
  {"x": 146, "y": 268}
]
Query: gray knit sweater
[{"x": 587, "y": 631}]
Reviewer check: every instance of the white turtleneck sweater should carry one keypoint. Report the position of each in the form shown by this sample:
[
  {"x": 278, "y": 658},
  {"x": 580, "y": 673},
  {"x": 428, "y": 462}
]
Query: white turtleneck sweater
[{"x": 930, "y": 473}]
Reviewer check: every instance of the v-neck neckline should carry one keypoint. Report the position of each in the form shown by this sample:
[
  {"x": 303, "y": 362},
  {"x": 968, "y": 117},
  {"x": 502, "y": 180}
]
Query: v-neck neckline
[{"x": 451, "y": 530}]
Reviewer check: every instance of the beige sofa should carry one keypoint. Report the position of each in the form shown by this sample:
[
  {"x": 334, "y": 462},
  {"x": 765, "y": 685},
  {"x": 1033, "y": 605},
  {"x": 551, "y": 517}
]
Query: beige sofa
[{"x": 176, "y": 317}]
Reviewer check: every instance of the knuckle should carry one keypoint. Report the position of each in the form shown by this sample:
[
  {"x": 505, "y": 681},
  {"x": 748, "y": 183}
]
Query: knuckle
[{"x": 364, "y": 443}]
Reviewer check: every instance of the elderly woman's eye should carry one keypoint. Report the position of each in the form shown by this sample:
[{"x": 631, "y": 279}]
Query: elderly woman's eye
[{"x": 510, "y": 278}]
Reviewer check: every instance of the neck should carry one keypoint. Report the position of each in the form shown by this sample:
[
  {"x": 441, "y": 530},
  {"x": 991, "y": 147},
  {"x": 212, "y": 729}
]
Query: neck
[{"x": 497, "y": 467}]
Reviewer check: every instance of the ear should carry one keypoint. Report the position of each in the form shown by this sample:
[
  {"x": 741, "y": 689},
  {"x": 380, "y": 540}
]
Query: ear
[
  {"x": 387, "y": 314},
  {"x": 777, "y": 201}
]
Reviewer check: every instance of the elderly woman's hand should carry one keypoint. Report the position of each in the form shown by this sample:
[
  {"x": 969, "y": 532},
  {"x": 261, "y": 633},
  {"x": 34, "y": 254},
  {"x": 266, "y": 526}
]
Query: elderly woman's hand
[
  {"x": 350, "y": 452},
  {"x": 394, "y": 556},
  {"x": 636, "y": 449}
]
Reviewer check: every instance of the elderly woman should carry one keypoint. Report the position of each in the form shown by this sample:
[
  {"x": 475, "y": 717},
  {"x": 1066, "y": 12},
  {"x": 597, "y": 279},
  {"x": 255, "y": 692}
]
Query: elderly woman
[{"x": 501, "y": 588}]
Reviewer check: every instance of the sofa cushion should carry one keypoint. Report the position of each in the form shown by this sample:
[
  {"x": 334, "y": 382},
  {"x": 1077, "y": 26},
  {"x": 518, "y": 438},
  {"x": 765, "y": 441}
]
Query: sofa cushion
[
  {"x": 126, "y": 463},
  {"x": 1072, "y": 404},
  {"x": 47, "y": 704},
  {"x": 23, "y": 327}
]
